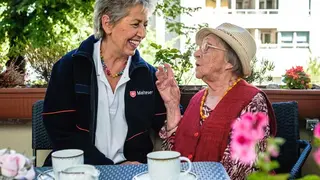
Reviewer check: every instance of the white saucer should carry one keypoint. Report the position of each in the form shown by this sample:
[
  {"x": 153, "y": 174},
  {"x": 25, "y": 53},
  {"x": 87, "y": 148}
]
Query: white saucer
[
  {"x": 46, "y": 175},
  {"x": 145, "y": 176}
]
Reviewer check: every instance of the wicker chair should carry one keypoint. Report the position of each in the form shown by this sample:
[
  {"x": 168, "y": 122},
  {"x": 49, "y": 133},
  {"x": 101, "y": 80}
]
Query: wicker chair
[
  {"x": 40, "y": 139},
  {"x": 291, "y": 159}
]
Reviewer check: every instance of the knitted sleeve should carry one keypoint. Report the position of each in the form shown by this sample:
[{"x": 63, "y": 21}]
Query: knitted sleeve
[{"x": 234, "y": 168}]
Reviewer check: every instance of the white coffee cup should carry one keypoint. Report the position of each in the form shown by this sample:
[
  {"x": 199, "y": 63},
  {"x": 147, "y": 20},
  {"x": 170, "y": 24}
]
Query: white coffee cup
[
  {"x": 166, "y": 165},
  {"x": 63, "y": 159},
  {"x": 80, "y": 172}
]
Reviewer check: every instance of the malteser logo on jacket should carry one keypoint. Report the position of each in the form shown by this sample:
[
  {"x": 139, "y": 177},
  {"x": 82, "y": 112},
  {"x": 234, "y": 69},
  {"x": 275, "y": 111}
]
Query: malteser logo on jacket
[{"x": 133, "y": 94}]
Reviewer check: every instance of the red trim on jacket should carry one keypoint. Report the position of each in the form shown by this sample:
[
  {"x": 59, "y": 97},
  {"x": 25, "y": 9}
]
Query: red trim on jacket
[
  {"x": 58, "y": 112},
  {"x": 136, "y": 135},
  {"x": 82, "y": 129},
  {"x": 159, "y": 114}
]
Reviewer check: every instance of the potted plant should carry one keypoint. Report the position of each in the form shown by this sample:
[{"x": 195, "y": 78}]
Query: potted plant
[
  {"x": 17, "y": 95},
  {"x": 297, "y": 88},
  {"x": 297, "y": 78},
  {"x": 22, "y": 27}
]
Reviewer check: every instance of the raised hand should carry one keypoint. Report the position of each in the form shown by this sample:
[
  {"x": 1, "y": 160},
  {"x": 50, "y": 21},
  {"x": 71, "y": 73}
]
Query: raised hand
[{"x": 167, "y": 86}]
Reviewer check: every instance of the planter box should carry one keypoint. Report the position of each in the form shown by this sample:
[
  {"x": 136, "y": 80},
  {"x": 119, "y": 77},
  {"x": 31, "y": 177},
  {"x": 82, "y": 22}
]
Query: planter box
[
  {"x": 308, "y": 100},
  {"x": 16, "y": 103}
]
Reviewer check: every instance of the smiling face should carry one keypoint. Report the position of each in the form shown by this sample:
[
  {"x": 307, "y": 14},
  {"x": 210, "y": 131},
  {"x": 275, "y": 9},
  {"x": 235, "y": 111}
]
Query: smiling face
[
  {"x": 126, "y": 35},
  {"x": 210, "y": 59}
]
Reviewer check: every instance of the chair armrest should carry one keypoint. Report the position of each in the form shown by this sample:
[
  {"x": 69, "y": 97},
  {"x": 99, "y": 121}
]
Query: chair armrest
[{"x": 306, "y": 146}]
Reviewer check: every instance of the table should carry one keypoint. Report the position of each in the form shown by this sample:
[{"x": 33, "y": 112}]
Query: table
[{"x": 204, "y": 171}]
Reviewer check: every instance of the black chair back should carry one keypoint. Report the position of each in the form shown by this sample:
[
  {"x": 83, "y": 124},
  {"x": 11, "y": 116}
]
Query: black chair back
[
  {"x": 288, "y": 128},
  {"x": 40, "y": 139}
]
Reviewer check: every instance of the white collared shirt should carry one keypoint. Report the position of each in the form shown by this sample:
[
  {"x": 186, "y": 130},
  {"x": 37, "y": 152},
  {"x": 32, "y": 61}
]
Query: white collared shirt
[{"x": 112, "y": 126}]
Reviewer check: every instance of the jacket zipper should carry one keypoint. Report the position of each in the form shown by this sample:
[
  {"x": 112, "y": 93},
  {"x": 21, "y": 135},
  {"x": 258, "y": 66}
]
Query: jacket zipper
[{"x": 93, "y": 97}]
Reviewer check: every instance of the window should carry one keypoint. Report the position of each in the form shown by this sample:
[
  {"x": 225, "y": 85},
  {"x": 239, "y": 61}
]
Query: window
[
  {"x": 239, "y": 5},
  {"x": 286, "y": 37},
  {"x": 269, "y": 4},
  {"x": 266, "y": 38},
  {"x": 211, "y": 3},
  {"x": 261, "y": 5},
  {"x": 244, "y": 4},
  {"x": 309, "y": 5},
  {"x": 225, "y": 4},
  {"x": 302, "y": 37}
]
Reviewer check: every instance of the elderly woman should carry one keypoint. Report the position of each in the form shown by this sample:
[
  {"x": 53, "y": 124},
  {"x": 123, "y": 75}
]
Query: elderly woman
[
  {"x": 203, "y": 134},
  {"x": 102, "y": 97}
]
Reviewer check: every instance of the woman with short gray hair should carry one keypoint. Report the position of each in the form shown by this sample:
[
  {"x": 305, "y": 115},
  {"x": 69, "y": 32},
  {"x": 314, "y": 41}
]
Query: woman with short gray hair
[
  {"x": 102, "y": 96},
  {"x": 116, "y": 10}
]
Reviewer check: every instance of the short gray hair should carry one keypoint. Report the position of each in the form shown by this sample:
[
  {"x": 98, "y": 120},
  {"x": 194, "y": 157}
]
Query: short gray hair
[
  {"x": 234, "y": 60},
  {"x": 116, "y": 10},
  {"x": 232, "y": 57}
]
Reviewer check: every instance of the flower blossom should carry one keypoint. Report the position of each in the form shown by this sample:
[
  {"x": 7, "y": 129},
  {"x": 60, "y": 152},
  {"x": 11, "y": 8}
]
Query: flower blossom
[{"x": 247, "y": 131}]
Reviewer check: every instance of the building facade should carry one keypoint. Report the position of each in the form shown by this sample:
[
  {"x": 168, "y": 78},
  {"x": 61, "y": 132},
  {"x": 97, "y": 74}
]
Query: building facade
[{"x": 286, "y": 31}]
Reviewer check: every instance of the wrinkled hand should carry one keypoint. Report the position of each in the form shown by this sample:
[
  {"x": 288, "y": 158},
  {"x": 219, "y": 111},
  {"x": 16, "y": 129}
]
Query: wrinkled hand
[
  {"x": 131, "y": 163},
  {"x": 167, "y": 86}
]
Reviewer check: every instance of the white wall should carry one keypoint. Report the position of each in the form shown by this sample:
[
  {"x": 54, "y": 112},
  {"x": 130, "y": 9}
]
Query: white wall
[
  {"x": 293, "y": 15},
  {"x": 284, "y": 58},
  {"x": 315, "y": 28},
  {"x": 19, "y": 138},
  {"x": 294, "y": 7}
]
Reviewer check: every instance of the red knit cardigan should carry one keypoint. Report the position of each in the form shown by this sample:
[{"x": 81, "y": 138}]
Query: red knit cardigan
[{"x": 207, "y": 142}]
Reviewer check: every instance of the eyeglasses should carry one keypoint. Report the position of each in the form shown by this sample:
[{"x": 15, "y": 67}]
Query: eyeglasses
[{"x": 205, "y": 47}]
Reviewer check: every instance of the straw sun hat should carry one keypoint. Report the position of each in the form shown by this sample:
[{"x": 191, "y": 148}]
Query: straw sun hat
[{"x": 238, "y": 38}]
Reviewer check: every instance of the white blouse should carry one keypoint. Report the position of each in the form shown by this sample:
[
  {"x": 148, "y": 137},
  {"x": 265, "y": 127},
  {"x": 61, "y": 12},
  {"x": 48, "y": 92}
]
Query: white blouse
[{"x": 112, "y": 126}]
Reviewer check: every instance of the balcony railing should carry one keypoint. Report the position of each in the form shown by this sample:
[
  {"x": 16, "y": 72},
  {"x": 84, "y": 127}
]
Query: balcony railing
[
  {"x": 283, "y": 45},
  {"x": 253, "y": 11},
  {"x": 245, "y": 11}
]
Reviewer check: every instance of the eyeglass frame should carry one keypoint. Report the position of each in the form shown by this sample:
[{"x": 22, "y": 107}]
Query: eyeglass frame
[{"x": 209, "y": 46}]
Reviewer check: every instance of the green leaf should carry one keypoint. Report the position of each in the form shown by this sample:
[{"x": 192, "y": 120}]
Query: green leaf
[
  {"x": 279, "y": 141},
  {"x": 278, "y": 177},
  {"x": 316, "y": 142},
  {"x": 266, "y": 176},
  {"x": 310, "y": 177}
]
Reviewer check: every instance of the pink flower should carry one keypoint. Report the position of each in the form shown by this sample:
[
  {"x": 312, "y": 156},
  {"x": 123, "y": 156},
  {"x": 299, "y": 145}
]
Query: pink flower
[
  {"x": 261, "y": 120},
  {"x": 26, "y": 174},
  {"x": 316, "y": 131},
  {"x": 251, "y": 124},
  {"x": 9, "y": 165},
  {"x": 316, "y": 156},
  {"x": 240, "y": 140},
  {"x": 247, "y": 131},
  {"x": 243, "y": 148},
  {"x": 30, "y": 174},
  {"x": 273, "y": 150},
  {"x": 245, "y": 155},
  {"x": 242, "y": 124},
  {"x": 13, "y": 165}
]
